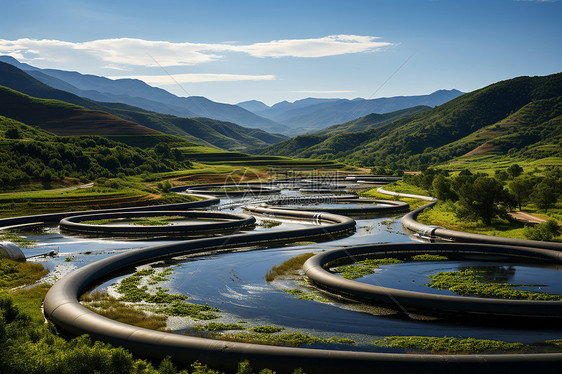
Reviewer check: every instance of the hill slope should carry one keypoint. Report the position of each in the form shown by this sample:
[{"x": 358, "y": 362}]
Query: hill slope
[
  {"x": 62, "y": 118},
  {"x": 525, "y": 109}
]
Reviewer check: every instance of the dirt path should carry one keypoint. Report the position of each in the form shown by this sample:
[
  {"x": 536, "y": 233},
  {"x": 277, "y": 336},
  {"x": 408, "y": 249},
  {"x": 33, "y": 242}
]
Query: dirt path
[{"x": 526, "y": 217}]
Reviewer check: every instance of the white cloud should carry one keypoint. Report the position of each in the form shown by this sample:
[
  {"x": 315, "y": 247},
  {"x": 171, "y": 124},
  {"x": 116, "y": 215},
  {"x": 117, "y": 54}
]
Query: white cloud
[
  {"x": 121, "y": 53},
  {"x": 196, "y": 78},
  {"x": 327, "y": 46}
]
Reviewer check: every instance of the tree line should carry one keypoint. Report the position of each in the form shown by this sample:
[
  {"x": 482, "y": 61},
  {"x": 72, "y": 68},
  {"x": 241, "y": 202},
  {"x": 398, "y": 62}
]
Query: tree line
[{"x": 82, "y": 157}]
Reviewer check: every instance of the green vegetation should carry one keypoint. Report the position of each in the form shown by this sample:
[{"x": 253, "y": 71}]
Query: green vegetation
[
  {"x": 267, "y": 329},
  {"x": 373, "y": 194},
  {"x": 195, "y": 311},
  {"x": 473, "y": 283},
  {"x": 106, "y": 193},
  {"x": 16, "y": 239},
  {"x": 519, "y": 118},
  {"x": 140, "y": 221},
  {"x": 110, "y": 307},
  {"x": 301, "y": 295},
  {"x": 218, "y": 326},
  {"x": 269, "y": 223},
  {"x": 428, "y": 257},
  {"x": 30, "y": 346},
  {"x": 125, "y": 123},
  {"x": 133, "y": 292},
  {"x": 364, "y": 267},
  {"x": 449, "y": 345},
  {"x": 543, "y": 231},
  {"x": 293, "y": 339},
  {"x": 15, "y": 274},
  {"x": 291, "y": 266},
  {"x": 479, "y": 203},
  {"x": 53, "y": 158}
]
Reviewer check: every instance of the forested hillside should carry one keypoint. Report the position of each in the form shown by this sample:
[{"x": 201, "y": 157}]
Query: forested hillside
[
  {"x": 520, "y": 116},
  {"x": 31, "y": 154}
]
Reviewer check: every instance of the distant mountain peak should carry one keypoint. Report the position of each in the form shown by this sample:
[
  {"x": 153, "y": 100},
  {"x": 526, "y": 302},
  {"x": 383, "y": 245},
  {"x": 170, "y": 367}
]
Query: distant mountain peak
[{"x": 253, "y": 105}]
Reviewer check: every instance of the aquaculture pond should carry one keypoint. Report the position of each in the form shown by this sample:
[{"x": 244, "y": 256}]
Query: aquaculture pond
[
  {"x": 233, "y": 286},
  {"x": 415, "y": 275}
]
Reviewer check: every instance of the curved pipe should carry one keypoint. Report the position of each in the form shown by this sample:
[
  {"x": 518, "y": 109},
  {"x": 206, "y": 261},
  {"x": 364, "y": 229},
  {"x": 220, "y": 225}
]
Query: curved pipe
[
  {"x": 383, "y": 206},
  {"x": 63, "y": 308},
  {"x": 410, "y": 223},
  {"x": 228, "y": 221},
  {"x": 56, "y": 217},
  {"x": 457, "y": 305},
  {"x": 249, "y": 188}
]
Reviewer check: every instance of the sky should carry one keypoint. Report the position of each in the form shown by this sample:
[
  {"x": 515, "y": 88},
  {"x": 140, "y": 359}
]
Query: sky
[{"x": 237, "y": 50}]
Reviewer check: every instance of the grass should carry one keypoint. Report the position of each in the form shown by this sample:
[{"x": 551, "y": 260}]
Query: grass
[
  {"x": 443, "y": 214},
  {"x": 403, "y": 187},
  {"x": 428, "y": 257},
  {"x": 291, "y": 266},
  {"x": 15, "y": 274},
  {"x": 219, "y": 326},
  {"x": 490, "y": 163},
  {"x": 29, "y": 299},
  {"x": 110, "y": 307},
  {"x": 39, "y": 202},
  {"x": 267, "y": 329},
  {"x": 18, "y": 240},
  {"x": 140, "y": 221},
  {"x": 293, "y": 339},
  {"x": 471, "y": 282},
  {"x": 449, "y": 345},
  {"x": 364, "y": 267},
  {"x": 131, "y": 290},
  {"x": 373, "y": 194},
  {"x": 269, "y": 223},
  {"x": 302, "y": 295},
  {"x": 195, "y": 311},
  {"x": 51, "y": 201}
]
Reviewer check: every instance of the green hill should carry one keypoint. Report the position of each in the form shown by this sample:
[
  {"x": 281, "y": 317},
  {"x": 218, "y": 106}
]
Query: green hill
[
  {"x": 62, "y": 118},
  {"x": 30, "y": 154},
  {"x": 525, "y": 109}
]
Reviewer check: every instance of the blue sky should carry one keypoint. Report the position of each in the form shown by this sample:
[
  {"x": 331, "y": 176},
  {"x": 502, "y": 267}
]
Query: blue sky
[{"x": 232, "y": 51}]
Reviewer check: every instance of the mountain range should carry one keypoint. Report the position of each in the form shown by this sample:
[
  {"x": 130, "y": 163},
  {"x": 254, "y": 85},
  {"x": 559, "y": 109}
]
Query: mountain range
[
  {"x": 520, "y": 117},
  {"x": 133, "y": 125},
  {"x": 308, "y": 115},
  {"x": 139, "y": 94},
  {"x": 301, "y": 116}
]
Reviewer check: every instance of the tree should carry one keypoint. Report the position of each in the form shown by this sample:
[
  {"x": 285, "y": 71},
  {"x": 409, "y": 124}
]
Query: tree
[
  {"x": 480, "y": 199},
  {"x": 12, "y": 133},
  {"x": 544, "y": 196},
  {"x": 544, "y": 231},
  {"x": 514, "y": 171},
  {"x": 521, "y": 188},
  {"x": 441, "y": 188}
]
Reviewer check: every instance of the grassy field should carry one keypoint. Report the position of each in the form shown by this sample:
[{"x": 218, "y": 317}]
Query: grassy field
[
  {"x": 490, "y": 163},
  {"x": 39, "y": 202},
  {"x": 373, "y": 194},
  {"x": 443, "y": 214}
]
